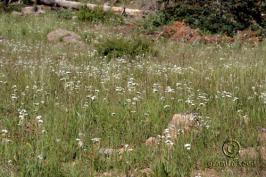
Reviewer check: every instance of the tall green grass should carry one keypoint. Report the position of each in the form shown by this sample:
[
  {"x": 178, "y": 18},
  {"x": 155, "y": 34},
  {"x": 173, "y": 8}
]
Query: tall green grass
[{"x": 78, "y": 96}]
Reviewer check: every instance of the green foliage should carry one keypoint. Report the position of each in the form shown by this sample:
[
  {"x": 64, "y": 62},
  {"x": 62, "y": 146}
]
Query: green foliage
[
  {"x": 10, "y": 8},
  {"x": 152, "y": 22},
  {"x": 216, "y": 16},
  {"x": 26, "y": 1},
  {"x": 65, "y": 14},
  {"x": 118, "y": 47},
  {"x": 51, "y": 169},
  {"x": 98, "y": 15},
  {"x": 161, "y": 170}
]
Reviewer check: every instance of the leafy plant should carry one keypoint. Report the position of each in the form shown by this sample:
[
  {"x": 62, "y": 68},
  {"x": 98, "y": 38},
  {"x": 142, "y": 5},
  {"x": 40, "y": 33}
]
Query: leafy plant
[
  {"x": 152, "y": 22},
  {"x": 216, "y": 16},
  {"x": 65, "y": 14},
  {"x": 118, "y": 47},
  {"x": 98, "y": 15}
]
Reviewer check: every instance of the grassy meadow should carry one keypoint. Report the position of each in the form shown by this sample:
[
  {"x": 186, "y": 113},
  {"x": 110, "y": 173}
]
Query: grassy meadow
[{"x": 57, "y": 100}]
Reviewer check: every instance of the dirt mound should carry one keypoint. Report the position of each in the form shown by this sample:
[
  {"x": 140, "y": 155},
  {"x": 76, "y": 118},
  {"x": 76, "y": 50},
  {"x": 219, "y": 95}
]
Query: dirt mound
[
  {"x": 180, "y": 31},
  {"x": 248, "y": 36}
]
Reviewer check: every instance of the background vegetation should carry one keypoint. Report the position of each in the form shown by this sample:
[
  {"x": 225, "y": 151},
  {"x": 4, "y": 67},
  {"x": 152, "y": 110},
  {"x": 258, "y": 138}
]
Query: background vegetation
[{"x": 217, "y": 16}]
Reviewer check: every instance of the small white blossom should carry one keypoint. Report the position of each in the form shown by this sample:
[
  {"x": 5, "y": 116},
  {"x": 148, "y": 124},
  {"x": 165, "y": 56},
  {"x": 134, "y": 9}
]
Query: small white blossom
[
  {"x": 40, "y": 157},
  {"x": 187, "y": 146},
  {"x": 96, "y": 140},
  {"x": 166, "y": 106},
  {"x": 169, "y": 142},
  {"x": 4, "y": 131}
]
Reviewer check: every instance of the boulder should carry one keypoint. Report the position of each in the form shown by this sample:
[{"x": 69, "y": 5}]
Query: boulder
[
  {"x": 65, "y": 36},
  {"x": 151, "y": 141},
  {"x": 181, "y": 123},
  {"x": 31, "y": 10}
]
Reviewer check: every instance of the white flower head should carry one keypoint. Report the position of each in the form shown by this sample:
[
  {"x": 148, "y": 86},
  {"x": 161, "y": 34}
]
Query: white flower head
[
  {"x": 169, "y": 142},
  {"x": 187, "y": 146},
  {"x": 96, "y": 140},
  {"x": 4, "y": 131},
  {"x": 40, "y": 157},
  {"x": 39, "y": 117}
]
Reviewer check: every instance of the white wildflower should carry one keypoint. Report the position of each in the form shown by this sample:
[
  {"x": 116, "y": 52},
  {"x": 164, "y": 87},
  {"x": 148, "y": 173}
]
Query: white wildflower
[
  {"x": 187, "y": 146},
  {"x": 40, "y": 157},
  {"x": 96, "y": 140},
  {"x": 4, "y": 131},
  {"x": 169, "y": 142},
  {"x": 166, "y": 106}
]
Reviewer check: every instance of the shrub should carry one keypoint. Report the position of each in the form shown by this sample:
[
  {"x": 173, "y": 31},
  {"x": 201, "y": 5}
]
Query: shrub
[
  {"x": 216, "y": 16},
  {"x": 65, "y": 14},
  {"x": 119, "y": 47},
  {"x": 98, "y": 15},
  {"x": 152, "y": 22},
  {"x": 27, "y": 2}
]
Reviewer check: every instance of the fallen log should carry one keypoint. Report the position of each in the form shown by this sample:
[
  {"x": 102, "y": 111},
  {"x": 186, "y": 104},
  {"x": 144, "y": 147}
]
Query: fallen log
[{"x": 79, "y": 5}]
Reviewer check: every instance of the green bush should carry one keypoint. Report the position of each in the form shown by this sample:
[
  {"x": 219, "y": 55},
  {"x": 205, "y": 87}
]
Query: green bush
[
  {"x": 152, "y": 22},
  {"x": 119, "y": 47},
  {"x": 27, "y": 2},
  {"x": 65, "y": 14},
  {"x": 98, "y": 15},
  {"x": 216, "y": 16}
]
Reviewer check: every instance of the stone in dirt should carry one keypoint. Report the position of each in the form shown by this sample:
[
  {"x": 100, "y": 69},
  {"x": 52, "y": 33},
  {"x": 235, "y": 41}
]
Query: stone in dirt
[{"x": 65, "y": 36}]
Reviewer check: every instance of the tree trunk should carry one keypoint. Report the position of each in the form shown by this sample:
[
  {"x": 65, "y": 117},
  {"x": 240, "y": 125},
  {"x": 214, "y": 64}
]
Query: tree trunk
[{"x": 78, "y": 5}]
